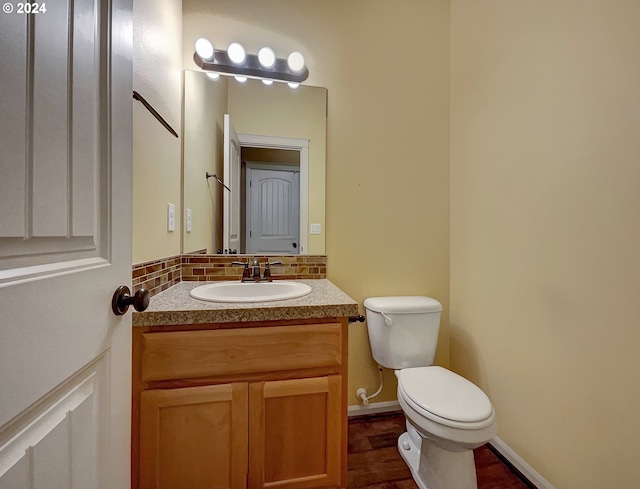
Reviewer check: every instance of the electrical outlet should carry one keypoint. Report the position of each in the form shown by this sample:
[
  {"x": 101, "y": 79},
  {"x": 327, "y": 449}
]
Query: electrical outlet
[
  {"x": 171, "y": 217},
  {"x": 316, "y": 229},
  {"x": 188, "y": 220}
]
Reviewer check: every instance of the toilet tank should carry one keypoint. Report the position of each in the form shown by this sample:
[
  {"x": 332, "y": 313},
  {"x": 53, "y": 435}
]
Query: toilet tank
[{"x": 403, "y": 330}]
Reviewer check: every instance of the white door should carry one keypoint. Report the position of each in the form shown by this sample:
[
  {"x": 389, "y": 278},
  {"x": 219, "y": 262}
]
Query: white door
[
  {"x": 65, "y": 245},
  {"x": 231, "y": 200},
  {"x": 273, "y": 198}
]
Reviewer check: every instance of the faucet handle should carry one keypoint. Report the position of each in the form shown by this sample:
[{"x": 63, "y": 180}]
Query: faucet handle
[
  {"x": 246, "y": 273},
  {"x": 267, "y": 270}
]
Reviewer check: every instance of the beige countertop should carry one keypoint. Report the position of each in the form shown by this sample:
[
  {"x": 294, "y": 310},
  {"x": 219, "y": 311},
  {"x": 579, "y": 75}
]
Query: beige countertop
[{"x": 176, "y": 306}]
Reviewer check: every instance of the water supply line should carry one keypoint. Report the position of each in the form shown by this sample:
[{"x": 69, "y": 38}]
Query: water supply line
[{"x": 362, "y": 392}]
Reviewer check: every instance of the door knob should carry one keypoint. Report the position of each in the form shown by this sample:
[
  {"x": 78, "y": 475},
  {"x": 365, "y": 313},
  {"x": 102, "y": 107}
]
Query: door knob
[
  {"x": 122, "y": 299},
  {"x": 295, "y": 245}
]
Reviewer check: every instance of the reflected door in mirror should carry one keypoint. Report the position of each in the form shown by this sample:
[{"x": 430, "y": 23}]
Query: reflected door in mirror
[
  {"x": 273, "y": 211},
  {"x": 231, "y": 220}
]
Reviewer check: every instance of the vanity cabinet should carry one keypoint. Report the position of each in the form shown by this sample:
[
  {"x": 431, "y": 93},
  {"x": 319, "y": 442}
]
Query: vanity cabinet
[
  {"x": 194, "y": 437},
  {"x": 240, "y": 405},
  {"x": 294, "y": 433}
]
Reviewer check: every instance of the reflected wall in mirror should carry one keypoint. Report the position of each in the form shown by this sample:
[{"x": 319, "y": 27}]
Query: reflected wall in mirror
[{"x": 258, "y": 113}]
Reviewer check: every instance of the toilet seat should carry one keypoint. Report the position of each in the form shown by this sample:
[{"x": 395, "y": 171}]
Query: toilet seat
[{"x": 445, "y": 397}]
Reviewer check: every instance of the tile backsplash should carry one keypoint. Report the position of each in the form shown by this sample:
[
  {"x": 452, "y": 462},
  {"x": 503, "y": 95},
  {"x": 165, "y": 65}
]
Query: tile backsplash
[{"x": 159, "y": 275}]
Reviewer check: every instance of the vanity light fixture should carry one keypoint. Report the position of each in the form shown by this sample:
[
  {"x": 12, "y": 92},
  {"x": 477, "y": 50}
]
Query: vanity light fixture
[
  {"x": 295, "y": 61},
  {"x": 235, "y": 61},
  {"x": 267, "y": 58},
  {"x": 204, "y": 48},
  {"x": 236, "y": 53}
]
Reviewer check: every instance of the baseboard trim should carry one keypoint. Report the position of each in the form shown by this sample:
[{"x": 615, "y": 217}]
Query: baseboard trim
[
  {"x": 373, "y": 408},
  {"x": 519, "y": 464}
]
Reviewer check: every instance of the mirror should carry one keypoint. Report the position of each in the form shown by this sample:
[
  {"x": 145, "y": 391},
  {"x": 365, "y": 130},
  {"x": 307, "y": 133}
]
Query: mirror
[{"x": 282, "y": 134}]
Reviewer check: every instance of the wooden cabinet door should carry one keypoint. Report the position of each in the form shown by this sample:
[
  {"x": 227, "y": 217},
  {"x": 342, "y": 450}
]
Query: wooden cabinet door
[
  {"x": 194, "y": 437},
  {"x": 295, "y": 433}
]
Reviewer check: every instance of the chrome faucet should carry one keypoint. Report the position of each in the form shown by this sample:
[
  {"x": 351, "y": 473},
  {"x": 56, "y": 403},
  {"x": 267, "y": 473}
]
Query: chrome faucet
[{"x": 253, "y": 274}]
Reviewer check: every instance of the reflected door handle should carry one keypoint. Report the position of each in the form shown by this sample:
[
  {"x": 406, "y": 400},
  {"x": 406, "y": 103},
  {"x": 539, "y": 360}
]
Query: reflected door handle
[{"x": 122, "y": 299}]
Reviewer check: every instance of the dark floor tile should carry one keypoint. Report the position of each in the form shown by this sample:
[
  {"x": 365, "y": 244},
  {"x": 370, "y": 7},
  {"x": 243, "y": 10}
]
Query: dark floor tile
[
  {"x": 374, "y": 457},
  {"x": 358, "y": 444},
  {"x": 383, "y": 440},
  {"x": 374, "y": 461},
  {"x": 381, "y": 472}
]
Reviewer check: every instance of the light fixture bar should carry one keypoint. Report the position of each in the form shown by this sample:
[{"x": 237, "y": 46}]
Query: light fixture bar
[{"x": 251, "y": 67}]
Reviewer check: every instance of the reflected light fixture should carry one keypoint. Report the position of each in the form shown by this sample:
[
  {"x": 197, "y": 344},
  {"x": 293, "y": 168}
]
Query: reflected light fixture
[{"x": 235, "y": 61}]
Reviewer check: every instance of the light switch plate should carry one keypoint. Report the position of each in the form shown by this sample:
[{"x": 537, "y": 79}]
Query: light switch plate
[
  {"x": 316, "y": 229},
  {"x": 188, "y": 220},
  {"x": 171, "y": 217}
]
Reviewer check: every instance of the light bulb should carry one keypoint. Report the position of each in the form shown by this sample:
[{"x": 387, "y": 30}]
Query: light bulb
[
  {"x": 296, "y": 62},
  {"x": 236, "y": 53},
  {"x": 204, "y": 49},
  {"x": 213, "y": 76},
  {"x": 241, "y": 79},
  {"x": 267, "y": 82},
  {"x": 267, "y": 57},
  {"x": 293, "y": 85}
]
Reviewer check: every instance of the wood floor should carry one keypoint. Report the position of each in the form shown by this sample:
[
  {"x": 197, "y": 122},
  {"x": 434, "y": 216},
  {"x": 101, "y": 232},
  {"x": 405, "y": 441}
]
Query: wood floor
[{"x": 374, "y": 461}]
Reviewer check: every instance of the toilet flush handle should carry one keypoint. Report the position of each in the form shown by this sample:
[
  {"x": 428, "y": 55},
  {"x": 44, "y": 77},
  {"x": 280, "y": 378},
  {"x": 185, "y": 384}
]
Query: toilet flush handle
[{"x": 387, "y": 320}]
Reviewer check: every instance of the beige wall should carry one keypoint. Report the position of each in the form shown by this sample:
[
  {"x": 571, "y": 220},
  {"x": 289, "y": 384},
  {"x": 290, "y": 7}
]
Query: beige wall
[
  {"x": 205, "y": 103},
  {"x": 386, "y": 67},
  {"x": 157, "y": 76},
  {"x": 545, "y": 264}
]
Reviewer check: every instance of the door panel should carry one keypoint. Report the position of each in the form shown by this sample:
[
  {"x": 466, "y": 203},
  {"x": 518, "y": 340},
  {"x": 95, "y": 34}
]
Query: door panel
[
  {"x": 274, "y": 212},
  {"x": 50, "y": 193},
  {"x": 49, "y": 144},
  {"x": 194, "y": 437},
  {"x": 13, "y": 124},
  {"x": 65, "y": 244},
  {"x": 60, "y": 433},
  {"x": 294, "y": 433}
]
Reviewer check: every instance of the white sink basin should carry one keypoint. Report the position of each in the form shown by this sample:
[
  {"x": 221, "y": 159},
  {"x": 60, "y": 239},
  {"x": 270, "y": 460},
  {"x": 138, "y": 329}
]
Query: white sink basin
[{"x": 250, "y": 291}]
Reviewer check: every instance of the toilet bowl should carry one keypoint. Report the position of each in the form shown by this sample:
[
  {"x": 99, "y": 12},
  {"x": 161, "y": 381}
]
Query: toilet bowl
[
  {"x": 447, "y": 415},
  {"x": 446, "y": 408}
]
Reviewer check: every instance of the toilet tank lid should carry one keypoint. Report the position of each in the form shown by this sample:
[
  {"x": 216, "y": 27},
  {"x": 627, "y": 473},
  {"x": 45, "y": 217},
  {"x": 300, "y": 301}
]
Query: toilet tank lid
[{"x": 402, "y": 304}]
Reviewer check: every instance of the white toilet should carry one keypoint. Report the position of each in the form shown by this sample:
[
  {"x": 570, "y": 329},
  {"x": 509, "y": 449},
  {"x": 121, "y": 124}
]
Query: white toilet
[{"x": 447, "y": 416}]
